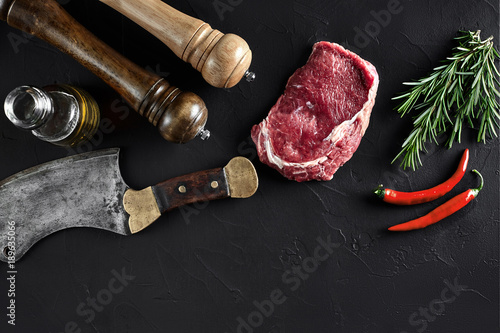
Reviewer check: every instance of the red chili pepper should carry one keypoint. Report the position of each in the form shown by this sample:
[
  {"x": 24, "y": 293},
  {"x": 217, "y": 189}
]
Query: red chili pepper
[
  {"x": 451, "y": 206},
  {"x": 413, "y": 198}
]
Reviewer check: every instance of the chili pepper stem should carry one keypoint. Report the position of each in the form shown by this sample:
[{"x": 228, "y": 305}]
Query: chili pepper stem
[
  {"x": 379, "y": 191},
  {"x": 475, "y": 191}
]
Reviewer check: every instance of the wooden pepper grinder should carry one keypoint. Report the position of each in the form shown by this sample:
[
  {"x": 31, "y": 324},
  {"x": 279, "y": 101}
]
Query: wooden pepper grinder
[
  {"x": 179, "y": 116},
  {"x": 223, "y": 60}
]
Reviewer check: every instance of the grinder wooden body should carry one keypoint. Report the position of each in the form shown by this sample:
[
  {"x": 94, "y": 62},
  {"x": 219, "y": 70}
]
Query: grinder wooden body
[
  {"x": 223, "y": 60},
  {"x": 179, "y": 116}
]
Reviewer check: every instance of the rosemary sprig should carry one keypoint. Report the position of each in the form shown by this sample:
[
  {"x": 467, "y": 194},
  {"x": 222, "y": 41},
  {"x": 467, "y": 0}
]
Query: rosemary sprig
[{"x": 463, "y": 89}]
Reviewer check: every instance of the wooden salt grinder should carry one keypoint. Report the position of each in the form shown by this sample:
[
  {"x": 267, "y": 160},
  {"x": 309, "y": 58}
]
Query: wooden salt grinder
[
  {"x": 223, "y": 60},
  {"x": 179, "y": 116}
]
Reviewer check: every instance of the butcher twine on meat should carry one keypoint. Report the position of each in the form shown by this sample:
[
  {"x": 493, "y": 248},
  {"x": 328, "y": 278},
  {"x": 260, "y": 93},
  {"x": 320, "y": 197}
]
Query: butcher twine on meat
[{"x": 317, "y": 124}]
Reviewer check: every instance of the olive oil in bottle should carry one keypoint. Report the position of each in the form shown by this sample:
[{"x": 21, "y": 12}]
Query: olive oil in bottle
[{"x": 60, "y": 114}]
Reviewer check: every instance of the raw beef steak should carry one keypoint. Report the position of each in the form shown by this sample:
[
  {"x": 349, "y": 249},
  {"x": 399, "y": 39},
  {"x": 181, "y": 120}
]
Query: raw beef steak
[{"x": 317, "y": 124}]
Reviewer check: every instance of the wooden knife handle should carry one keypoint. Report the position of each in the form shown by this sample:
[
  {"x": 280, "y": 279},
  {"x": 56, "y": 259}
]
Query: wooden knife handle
[
  {"x": 200, "y": 186},
  {"x": 179, "y": 116},
  {"x": 222, "y": 59}
]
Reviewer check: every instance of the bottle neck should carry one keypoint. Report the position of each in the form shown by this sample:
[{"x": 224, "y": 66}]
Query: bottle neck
[{"x": 28, "y": 107}]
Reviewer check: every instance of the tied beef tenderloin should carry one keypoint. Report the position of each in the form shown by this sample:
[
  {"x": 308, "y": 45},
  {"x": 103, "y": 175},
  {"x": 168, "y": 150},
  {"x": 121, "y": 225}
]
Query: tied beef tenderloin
[{"x": 317, "y": 124}]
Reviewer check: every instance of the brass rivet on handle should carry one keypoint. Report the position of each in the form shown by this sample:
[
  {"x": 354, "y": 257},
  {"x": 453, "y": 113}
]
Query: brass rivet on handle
[
  {"x": 182, "y": 189},
  {"x": 214, "y": 184}
]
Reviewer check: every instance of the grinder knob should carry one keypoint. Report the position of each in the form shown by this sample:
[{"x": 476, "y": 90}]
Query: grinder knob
[
  {"x": 225, "y": 64},
  {"x": 184, "y": 119}
]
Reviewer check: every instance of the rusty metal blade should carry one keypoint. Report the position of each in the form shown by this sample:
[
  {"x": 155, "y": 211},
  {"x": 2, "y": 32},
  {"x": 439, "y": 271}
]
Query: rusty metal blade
[{"x": 84, "y": 190}]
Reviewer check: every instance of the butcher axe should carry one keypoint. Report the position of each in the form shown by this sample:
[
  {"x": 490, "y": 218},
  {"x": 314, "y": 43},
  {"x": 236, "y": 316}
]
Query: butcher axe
[{"x": 87, "y": 190}]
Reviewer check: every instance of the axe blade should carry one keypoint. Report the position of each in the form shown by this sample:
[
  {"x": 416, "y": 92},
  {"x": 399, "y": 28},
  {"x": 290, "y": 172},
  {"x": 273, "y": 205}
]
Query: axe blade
[{"x": 84, "y": 190}]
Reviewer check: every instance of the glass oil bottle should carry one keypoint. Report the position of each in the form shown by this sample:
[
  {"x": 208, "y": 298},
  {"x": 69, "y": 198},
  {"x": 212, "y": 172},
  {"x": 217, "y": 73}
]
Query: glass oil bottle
[{"x": 60, "y": 114}]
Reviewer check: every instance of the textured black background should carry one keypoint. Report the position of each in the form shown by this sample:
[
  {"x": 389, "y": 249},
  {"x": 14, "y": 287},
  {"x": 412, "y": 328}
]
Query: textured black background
[{"x": 199, "y": 269}]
